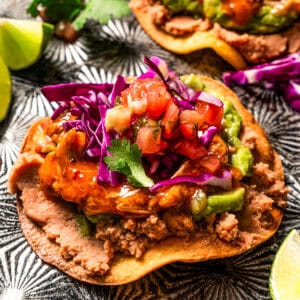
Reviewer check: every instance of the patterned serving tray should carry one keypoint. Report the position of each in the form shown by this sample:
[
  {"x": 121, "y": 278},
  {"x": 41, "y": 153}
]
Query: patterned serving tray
[{"x": 99, "y": 55}]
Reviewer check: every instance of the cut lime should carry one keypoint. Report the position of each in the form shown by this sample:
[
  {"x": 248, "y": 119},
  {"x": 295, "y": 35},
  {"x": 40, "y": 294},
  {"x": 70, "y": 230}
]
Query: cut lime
[
  {"x": 5, "y": 89},
  {"x": 23, "y": 41},
  {"x": 285, "y": 272}
]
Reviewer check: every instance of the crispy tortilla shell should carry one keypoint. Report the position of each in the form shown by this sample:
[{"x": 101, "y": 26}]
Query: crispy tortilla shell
[
  {"x": 187, "y": 44},
  {"x": 202, "y": 247}
]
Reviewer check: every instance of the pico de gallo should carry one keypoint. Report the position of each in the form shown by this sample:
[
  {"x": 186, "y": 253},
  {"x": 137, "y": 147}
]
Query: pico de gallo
[{"x": 153, "y": 132}]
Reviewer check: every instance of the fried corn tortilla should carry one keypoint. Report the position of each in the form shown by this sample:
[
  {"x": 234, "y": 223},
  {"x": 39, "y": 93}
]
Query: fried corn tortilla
[
  {"x": 236, "y": 44},
  {"x": 189, "y": 43},
  {"x": 257, "y": 223}
]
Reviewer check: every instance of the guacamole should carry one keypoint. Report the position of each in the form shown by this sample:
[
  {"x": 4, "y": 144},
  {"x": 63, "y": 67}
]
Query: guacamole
[
  {"x": 256, "y": 17},
  {"x": 242, "y": 159},
  {"x": 184, "y": 6}
]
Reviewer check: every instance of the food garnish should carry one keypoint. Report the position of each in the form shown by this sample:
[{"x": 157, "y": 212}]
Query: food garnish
[
  {"x": 158, "y": 167},
  {"x": 284, "y": 279},
  {"x": 5, "y": 88},
  {"x": 70, "y": 16},
  {"x": 127, "y": 159},
  {"x": 101, "y": 11},
  {"x": 56, "y": 10},
  {"x": 22, "y": 42},
  {"x": 282, "y": 75},
  {"x": 245, "y": 16},
  {"x": 242, "y": 32},
  {"x": 167, "y": 117}
]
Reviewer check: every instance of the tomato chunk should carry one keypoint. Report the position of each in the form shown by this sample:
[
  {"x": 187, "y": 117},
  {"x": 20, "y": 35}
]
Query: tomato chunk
[
  {"x": 170, "y": 120},
  {"x": 149, "y": 139},
  {"x": 190, "y": 122},
  {"x": 213, "y": 114},
  {"x": 153, "y": 92},
  {"x": 189, "y": 131},
  {"x": 157, "y": 100},
  {"x": 190, "y": 149}
]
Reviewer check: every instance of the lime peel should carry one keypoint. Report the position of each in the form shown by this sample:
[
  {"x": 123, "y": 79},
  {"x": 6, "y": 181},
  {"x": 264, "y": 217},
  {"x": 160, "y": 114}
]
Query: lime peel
[
  {"x": 5, "y": 89},
  {"x": 285, "y": 272},
  {"x": 23, "y": 41}
]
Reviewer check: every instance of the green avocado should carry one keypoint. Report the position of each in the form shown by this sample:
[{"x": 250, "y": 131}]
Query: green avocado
[
  {"x": 183, "y": 6},
  {"x": 212, "y": 9},
  {"x": 227, "y": 201},
  {"x": 193, "y": 82},
  {"x": 231, "y": 124},
  {"x": 84, "y": 225},
  {"x": 266, "y": 21},
  {"x": 198, "y": 204},
  {"x": 100, "y": 217},
  {"x": 243, "y": 160}
]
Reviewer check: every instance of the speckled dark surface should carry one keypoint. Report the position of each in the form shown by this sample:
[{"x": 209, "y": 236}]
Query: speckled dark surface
[{"x": 100, "y": 54}]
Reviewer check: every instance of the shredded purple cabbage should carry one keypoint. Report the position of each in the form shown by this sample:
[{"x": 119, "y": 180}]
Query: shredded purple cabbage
[
  {"x": 282, "y": 75},
  {"x": 224, "y": 181},
  {"x": 208, "y": 98},
  {"x": 292, "y": 93},
  {"x": 104, "y": 174},
  {"x": 184, "y": 96},
  {"x": 206, "y": 136},
  {"x": 64, "y": 92},
  {"x": 157, "y": 69},
  {"x": 118, "y": 87},
  {"x": 89, "y": 103}
]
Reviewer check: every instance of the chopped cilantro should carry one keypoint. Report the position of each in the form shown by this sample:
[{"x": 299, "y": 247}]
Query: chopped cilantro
[
  {"x": 57, "y": 10},
  {"x": 101, "y": 11},
  {"x": 127, "y": 159},
  {"x": 78, "y": 12}
]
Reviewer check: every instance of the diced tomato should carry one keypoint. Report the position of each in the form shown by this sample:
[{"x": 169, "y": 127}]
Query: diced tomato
[
  {"x": 190, "y": 149},
  {"x": 163, "y": 145},
  {"x": 213, "y": 114},
  {"x": 170, "y": 120},
  {"x": 189, "y": 131},
  {"x": 124, "y": 96},
  {"x": 149, "y": 139},
  {"x": 191, "y": 116},
  {"x": 138, "y": 107},
  {"x": 151, "y": 91},
  {"x": 158, "y": 99},
  {"x": 210, "y": 163},
  {"x": 190, "y": 121},
  {"x": 118, "y": 118}
]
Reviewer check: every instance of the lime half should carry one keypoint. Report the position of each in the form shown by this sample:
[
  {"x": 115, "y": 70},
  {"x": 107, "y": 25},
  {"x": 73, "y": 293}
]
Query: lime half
[
  {"x": 23, "y": 41},
  {"x": 5, "y": 89},
  {"x": 285, "y": 272}
]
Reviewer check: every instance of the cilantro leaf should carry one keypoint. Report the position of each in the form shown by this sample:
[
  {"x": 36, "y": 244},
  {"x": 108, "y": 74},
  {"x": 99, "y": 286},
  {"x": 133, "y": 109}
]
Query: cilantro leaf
[
  {"x": 101, "y": 11},
  {"x": 127, "y": 159},
  {"x": 57, "y": 10}
]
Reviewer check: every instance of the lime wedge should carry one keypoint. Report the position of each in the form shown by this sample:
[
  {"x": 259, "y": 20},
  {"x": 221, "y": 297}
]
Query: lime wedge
[
  {"x": 23, "y": 41},
  {"x": 285, "y": 272},
  {"x": 5, "y": 89}
]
